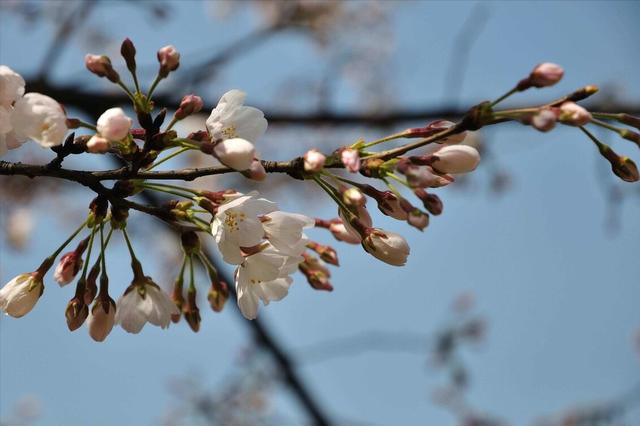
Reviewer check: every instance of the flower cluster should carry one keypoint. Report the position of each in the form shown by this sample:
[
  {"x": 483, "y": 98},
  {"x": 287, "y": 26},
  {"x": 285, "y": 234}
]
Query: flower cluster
[{"x": 265, "y": 245}]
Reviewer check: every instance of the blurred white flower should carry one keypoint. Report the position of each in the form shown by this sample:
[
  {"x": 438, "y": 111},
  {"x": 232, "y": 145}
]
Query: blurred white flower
[
  {"x": 41, "y": 118},
  {"x": 144, "y": 303},
  {"x": 19, "y": 296},
  {"x": 18, "y": 227},
  {"x": 11, "y": 86}
]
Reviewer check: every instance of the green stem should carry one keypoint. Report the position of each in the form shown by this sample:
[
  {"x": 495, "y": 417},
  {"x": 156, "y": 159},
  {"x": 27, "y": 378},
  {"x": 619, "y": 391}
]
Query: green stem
[
  {"x": 87, "y": 125},
  {"x": 331, "y": 191},
  {"x": 606, "y": 115},
  {"x": 385, "y": 139},
  {"x": 174, "y": 120},
  {"x": 211, "y": 270},
  {"x": 86, "y": 261},
  {"x": 392, "y": 153},
  {"x": 68, "y": 240},
  {"x": 398, "y": 179},
  {"x": 503, "y": 97},
  {"x": 153, "y": 87},
  {"x": 127, "y": 91},
  {"x": 167, "y": 191},
  {"x": 192, "y": 283},
  {"x": 103, "y": 248},
  {"x": 129, "y": 246},
  {"x": 179, "y": 188},
  {"x": 606, "y": 126}
]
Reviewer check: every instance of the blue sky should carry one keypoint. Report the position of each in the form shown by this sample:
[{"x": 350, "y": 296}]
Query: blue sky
[{"x": 560, "y": 291}]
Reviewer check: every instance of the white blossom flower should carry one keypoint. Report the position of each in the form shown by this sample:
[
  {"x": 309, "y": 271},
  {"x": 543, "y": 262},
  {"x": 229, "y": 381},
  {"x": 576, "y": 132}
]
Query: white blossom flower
[
  {"x": 350, "y": 159},
  {"x": 144, "y": 303},
  {"x": 456, "y": 159},
  {"x": 264, "y": 276},
  {"x": 284, "y": 231},
  {"x": 98, "y": 144},
  {"x": 41, "y": 118},
  {"x": 8, "y": 139},
  {"x": 387, "y": 246},
  {"x": 19, "y": 296},
  {"x": 114, "y": 124},
  {"x": 231, "y": 119},
  {"x": 236, "y": 153},
  {"x": 236, "y": 225},
  {"x": 101, "y": 319},
  {"x": 342, "y": 233},
  {"x": 11, "y": 86}
]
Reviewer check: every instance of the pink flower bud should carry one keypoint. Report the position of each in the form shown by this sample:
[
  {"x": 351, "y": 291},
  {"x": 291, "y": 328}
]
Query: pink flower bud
[
  {"x": 389, "y": 204},
  {"x": 544, "y": 120},
  {"x": 425, "y": 177},
  {"x": 101, "y": 66},
  {"x": 314, "y": 161},
  {"x": 98, "y": 145},
  {"x": 436, "y": 127},
  {"x": 190, "y": 104},
  {"x": 546, "y": 74},
  {"x": 113, "y": 124},
  {"x": 102, "y": 318},
  {"x": 256, "y": 171},
  {"x": 418, "y": 219},
  {"x": 386, "y": 246},
  {"x": 70, "y": 264},
  {"x": 169, "y": 59},
  {"x": 351, "y": 159},
  {"x": 431, "y": 202},
  {"x": 341, "y": 233},
  {"x": 573, "y": 114},
  {"x": 354, "y": 197},
  {"x": 236, "y": 153},
  {"x": 456, "y": 159}
]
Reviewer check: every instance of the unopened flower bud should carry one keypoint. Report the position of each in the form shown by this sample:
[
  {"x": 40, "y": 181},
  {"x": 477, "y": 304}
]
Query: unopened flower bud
[
  {"x": 178, "y": 299},
  {"x": 436, "y": 127},
  {"x": 190, "y": 104},
  {"x": 350, "y": 159},
  {"x": 218, "y": 295},
  {"x": 256, "y": 171},
  {"x": 456, "y": 159},
  {"x": 316, "y": 272},
  {"x": 573, "y": 114},
  {"x": 98, "y": 144},
  {"x": 630, "y": 136},
  {"x": 20, "y": 295},
  {"x": 102, "y": 318},
  {"x": 69, "y": 265},
  {"x": 386, "y": 246},
  {"x": 76, "y": 313},
  {"x": 327, "y": 253},
  {"x": 101, "y": 66},
  {"x": 341, "y": 233},
  {"x": 191, "y": 311},
  {"x": 90, "y": 286},
  {"x": 128, "y": 52},
  {"x": 546, "y": 74},
  {"x": 169, "y": 59},
  {"x": 426, "y": 177},
  {"x": 354, "y": 197},
  {"x": 623, "y": 167},
  {"x": 314, "y": 161},
  {"x": 236, "y": 153},
  {"x": 629, "y": 120},
  {"x": 544, "y": 120},
  {"x": 431, "y": 202},
  {"x": 418, "y": 219},
  {"x": 114, "y": 124},
  {"x": 389, "y": 204}
]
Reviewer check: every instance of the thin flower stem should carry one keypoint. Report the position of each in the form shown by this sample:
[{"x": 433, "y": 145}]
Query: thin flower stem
[
  {"x": 135, "y": 81},
  {"x": 503, "y": 97},
  {"x": 173, "y": 122},
  {"x": 87, "y": 125},
  {"x": 129, "y": 246},
  {"x": 392, "y": 187},
  {"x": 343, "y": 179},
  {"x": 211, "y": 270},
  {"x": 606, "y": 115},
  {"x": 165, "y": 190},
  {"x": 385, "y": 139},
  {"x": 180, "y": 188},
  {"x": 68, "y": 240},
  {"x": 127, "y": 91},
  {"x": 192, "y": 283},
  {"x": 169, "y": 157},
  {"x": 103, "y": 248},
  {"x": 592, "y": 137},
  {"x": 202, "y": 222},
  {"x": 88, "y": 258},
  {"x": 399, "y": 180},
  {"x": 331, "y": 191},
  {"x": 153, "y": 87},
  {"x": 395, "y": 152},
  {"x": 606, "y": 126}
]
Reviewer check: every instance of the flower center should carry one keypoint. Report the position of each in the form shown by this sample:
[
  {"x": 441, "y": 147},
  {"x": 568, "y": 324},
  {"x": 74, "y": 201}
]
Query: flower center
[
  {"x": 230, "y": 132},
  {"x": 233, "y": 220}
]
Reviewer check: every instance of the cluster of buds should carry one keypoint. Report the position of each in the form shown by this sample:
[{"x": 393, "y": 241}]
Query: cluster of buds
[{"x": 264, "y": 244}]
